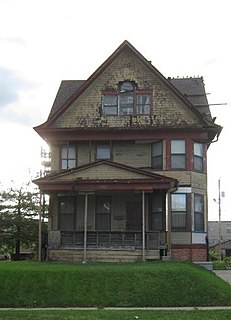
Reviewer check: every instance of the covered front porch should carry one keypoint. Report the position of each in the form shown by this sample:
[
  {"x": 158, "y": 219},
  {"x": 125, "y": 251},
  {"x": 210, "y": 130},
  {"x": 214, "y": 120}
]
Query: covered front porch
[{"x": 109, "y": 219}]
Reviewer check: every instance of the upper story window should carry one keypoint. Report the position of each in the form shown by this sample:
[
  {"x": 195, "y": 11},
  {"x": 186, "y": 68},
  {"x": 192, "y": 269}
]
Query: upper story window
[
  {"x": 68, "y": 157},
  {"x": 198, "y": 151},
  {"x": 178, "y": 154},
  {"x": 128, "y": 100},
  {"x": 157, "y": 155},
  {"x": 103, "y": 151}
]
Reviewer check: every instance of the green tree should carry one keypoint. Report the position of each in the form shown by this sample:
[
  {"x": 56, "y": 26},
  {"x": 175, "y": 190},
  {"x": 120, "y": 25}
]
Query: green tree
[{"x": 19, "y": 209}]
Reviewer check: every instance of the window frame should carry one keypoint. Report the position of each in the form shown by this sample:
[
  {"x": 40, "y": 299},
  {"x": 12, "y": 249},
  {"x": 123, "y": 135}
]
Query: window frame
[
  {"x": 186, "y": 213},
  {"x": 158, "y": 156},
  {"x": 197, "y": 157},
  {"x": 71, "y": 214},
  {"x": 66, "y": 160},
  {"x": 100, "y": 213},
  {"x": 105, "y": 144},
  {"x": 200, "y": 214},
  {"x": 134, "y": 93},
  {"x": 178, "y": 154}
]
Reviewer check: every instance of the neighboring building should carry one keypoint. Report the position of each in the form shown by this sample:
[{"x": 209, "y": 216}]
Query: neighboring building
[
  {"x": 128, "y": 174},
  {"x": 223, "y": 233}
]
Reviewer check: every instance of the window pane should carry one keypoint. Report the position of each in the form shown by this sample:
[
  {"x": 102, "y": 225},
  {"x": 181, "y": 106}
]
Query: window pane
[
  {"x": 126, "y": 104},
  {"x": 103, "y": 205},
  {"x": 67, "y": 209},
  {"x": 110, "y": 110},
  {"x": 103, "y": 152},
  {"x": 177, "y": 146},
  {"x": 178, "y": 161},
  {"x": 198, "y": 221},
  {"x": 198, "y": 149},
  {"x": 178, "y": 202},
  {"x": 157, "y": 155},
  {"x": 110, "y": 100},
  {"x": 127, "y": 86},
  {"x": 157, "y": 148},
  {"x": 198, "y": 203},
  {"x": 198, "y": 163},
  {"x": 102, "y": 222},
  {"x": 71, "y": 152},
  {"x": 110, "y": 104},
  {"x": 157, "y": 221},
  {"x": 64, "y": 152},
  {"x": 143, "y": 104},
  {"x": 179, "y": 220}
]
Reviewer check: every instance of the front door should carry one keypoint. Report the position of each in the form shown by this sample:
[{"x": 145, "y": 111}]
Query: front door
[{"x": 133, "y": 216}]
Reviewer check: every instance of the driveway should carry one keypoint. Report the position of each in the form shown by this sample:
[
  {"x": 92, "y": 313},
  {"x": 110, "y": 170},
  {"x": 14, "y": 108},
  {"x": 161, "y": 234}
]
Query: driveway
[{"x": 224, "y": 274}]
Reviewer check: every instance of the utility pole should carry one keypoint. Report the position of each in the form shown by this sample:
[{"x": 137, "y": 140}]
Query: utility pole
[{"x": 219, "y": 221}]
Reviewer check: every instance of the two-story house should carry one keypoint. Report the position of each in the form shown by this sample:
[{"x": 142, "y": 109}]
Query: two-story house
[{"x": 128, "y": 174}]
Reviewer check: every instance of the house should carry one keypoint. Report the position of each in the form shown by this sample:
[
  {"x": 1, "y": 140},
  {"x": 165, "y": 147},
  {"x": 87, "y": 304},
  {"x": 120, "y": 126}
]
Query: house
[{"x": 128, "y": 178}]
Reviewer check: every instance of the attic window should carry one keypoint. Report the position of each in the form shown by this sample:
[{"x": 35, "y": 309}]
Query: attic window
[{"x": 128, "y": 100}]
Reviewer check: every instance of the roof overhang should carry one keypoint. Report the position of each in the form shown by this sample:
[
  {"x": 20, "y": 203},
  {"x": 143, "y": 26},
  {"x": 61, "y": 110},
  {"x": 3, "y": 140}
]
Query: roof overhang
[{"x": 105, "y": 175}]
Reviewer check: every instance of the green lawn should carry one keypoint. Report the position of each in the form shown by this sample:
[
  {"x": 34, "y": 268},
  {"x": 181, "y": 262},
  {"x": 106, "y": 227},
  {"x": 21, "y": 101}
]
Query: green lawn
[{"x": 158, "y": 284}]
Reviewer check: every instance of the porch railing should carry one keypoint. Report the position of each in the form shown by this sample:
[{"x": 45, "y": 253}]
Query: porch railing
[{"x": 111, "y": 239}]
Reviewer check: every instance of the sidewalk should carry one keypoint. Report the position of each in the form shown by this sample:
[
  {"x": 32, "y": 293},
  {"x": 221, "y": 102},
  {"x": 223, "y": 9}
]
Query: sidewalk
[{"x": 224, "y": 274}]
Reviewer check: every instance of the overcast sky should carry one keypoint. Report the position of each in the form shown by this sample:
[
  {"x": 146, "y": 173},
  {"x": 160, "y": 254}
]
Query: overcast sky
[{"x": 45, "y": 41}]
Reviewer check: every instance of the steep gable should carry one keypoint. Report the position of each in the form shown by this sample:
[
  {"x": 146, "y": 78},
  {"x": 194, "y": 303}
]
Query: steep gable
[{"x": 83, "y": 108}]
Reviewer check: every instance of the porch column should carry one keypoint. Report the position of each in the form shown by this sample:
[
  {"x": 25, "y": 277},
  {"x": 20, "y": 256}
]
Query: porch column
[
  {"x": 143, "y": 226},
  {"x": 85, "y": 230}
]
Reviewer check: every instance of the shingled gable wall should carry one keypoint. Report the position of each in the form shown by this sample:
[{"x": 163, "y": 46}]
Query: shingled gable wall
[{"x": 86, "y": 110}]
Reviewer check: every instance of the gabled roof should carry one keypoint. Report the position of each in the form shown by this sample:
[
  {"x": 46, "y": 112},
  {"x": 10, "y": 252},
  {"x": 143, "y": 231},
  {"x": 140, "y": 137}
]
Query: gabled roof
[
  {"x": 194, "y": 90},
  {"x": 76, "y": 88},
  {"x": 105, "y": 174}
]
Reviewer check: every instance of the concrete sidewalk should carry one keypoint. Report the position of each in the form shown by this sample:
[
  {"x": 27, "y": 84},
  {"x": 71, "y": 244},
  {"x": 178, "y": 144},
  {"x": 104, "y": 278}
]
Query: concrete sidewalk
[{"x": 224, "y": 274}]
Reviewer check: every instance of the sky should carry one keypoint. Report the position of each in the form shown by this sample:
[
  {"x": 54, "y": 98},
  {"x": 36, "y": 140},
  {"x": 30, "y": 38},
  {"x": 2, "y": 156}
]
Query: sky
[{"x": 43, "y": 42}]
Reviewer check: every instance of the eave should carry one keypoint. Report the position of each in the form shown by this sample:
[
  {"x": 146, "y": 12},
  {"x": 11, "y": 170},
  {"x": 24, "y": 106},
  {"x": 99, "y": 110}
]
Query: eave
[{"x": 123, "y": 134}]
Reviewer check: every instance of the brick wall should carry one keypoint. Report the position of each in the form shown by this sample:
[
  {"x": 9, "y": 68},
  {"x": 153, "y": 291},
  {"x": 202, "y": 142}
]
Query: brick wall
[{"x": 189, "y": 252}]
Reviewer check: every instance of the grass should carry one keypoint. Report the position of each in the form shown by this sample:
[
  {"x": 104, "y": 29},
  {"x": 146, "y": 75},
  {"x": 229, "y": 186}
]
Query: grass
[
  {"x": 116, "y": 315},
  {"x": 160, "y": 284}
]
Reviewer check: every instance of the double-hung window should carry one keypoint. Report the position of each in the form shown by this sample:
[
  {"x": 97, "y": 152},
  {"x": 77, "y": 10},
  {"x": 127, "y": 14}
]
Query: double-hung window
[
  {"x": 157, "y": 155},
  {"x": 66, "y": 213},
  {"x": 127, "y": 100},
  {"x": 198, "y": 151},
  {"x": 178, "y": 154},
  {"x": 198, "y": 212},
  {"x": 68, "y": 157},
  {"x": 179, "y": 211}
]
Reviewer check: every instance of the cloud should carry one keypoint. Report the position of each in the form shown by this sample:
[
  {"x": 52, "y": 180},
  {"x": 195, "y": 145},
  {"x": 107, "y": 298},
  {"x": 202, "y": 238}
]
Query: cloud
[
  {"x": 13, "y": 40},
  {"x": 16, "y": 97},
  {"x": 10, "y": 87}
]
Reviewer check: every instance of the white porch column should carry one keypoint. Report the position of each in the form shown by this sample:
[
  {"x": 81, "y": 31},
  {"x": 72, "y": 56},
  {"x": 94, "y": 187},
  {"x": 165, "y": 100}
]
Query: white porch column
[
  {"x": 143, "y": 226},
  {"x": 85, "y": 230}
]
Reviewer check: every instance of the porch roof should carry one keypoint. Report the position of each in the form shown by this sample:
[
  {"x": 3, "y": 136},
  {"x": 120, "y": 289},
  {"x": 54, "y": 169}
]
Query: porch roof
[{"x": 105, "y": 175}]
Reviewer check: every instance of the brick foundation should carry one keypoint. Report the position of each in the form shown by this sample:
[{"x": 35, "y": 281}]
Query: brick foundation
[{"x": 189, "y": 252}]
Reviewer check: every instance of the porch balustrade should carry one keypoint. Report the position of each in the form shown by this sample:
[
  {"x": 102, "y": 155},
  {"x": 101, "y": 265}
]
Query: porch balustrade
[{"x": 111, "y": 239}]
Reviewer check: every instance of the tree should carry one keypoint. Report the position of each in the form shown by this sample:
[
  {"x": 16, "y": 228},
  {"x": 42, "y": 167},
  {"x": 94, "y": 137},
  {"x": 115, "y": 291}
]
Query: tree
[{"x": 19, "y": 209}]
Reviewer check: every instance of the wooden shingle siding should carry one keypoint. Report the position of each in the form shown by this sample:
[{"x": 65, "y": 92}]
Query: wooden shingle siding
[{"x": 167, "y": 109}]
